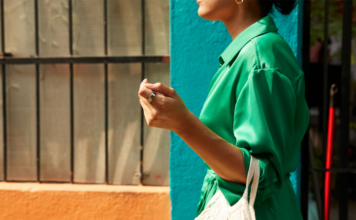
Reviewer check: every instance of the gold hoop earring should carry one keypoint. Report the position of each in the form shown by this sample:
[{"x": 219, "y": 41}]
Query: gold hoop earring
[{"x": 239, "y": 2}]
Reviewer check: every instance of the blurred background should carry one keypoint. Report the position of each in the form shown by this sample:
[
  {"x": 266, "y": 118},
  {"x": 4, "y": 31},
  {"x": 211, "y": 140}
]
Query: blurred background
[
  {"x": 70, "y": 110},
  {"x": 73, "y": 140},
  {"x": 79, "y": 120},
  {"x": 331, "y": 29}
]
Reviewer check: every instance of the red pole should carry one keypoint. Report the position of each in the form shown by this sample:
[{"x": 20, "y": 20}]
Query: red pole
[{"x": 329, "y": 153}]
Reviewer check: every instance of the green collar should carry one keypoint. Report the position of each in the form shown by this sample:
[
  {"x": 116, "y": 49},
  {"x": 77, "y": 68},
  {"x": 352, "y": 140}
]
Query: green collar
[{"x": 264, "y": 25}]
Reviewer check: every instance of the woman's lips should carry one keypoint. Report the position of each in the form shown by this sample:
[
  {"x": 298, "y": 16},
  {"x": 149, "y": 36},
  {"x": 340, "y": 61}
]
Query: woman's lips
[{"x": 198, "y": 1}]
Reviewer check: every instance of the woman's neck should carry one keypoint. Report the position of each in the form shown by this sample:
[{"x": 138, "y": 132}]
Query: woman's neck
[{"x": 239, "y": 22}]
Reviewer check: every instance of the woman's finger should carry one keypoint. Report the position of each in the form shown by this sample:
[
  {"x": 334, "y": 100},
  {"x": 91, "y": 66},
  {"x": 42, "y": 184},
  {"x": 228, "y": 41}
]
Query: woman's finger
[
  {"x": 144, "y": 92},
  {"x": 149, "y": 111},
  {"x": 156, "y": 104},
  {"x": 146, "y": 110},
  {"x": 159, "y": 87}
]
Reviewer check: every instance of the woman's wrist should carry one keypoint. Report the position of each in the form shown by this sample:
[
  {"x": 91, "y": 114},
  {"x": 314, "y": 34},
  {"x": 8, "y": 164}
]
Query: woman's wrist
[{"x": 187, "y": 124}]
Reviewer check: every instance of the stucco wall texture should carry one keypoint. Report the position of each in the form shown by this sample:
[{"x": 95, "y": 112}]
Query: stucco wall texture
[
  {"x": 195, "y": 46},
  {"x": 22, "y": 201}
]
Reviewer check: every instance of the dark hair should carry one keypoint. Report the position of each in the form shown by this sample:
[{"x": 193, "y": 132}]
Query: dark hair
[{"x": 283, "y": 6}]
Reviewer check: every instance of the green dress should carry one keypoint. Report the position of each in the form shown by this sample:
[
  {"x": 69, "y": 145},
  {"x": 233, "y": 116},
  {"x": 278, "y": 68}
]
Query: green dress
[{"x": 256, "y": 101}]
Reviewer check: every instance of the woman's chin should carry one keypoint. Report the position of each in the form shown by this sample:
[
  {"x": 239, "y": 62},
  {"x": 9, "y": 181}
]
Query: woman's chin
[
  {"x": 200, "y": 12},
  {"x": 204, "y": 14}
]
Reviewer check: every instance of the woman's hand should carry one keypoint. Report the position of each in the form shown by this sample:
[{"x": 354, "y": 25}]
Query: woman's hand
[{"x": 167, "y": 110}]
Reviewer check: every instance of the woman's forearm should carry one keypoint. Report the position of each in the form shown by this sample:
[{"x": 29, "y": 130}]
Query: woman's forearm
[
  {"x": 169, "y": 112},
  {"x": 224, "y": 158}
]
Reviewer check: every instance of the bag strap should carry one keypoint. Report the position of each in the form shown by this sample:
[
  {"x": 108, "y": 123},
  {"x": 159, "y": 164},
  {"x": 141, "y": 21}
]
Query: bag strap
[
  {"x": 250, "y": 174},
  {"x": 254, "y": 187},
  {"x": 256, "y": 178},
  {"x": 254, "y": 171}
]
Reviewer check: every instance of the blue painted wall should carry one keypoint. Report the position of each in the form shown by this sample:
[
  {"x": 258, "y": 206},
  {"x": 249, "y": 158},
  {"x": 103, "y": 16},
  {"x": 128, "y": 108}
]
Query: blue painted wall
[{"x": 195, "y": 46}]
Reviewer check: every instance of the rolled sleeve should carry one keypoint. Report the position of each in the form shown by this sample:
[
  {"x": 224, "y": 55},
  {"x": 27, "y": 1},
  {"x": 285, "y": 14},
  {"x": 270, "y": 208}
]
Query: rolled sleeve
[{"x": 263, "y": 126}]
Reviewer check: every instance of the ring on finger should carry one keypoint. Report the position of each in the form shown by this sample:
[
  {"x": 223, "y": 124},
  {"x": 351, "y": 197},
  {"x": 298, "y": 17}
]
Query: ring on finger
[{"x": 151, "y": 97}]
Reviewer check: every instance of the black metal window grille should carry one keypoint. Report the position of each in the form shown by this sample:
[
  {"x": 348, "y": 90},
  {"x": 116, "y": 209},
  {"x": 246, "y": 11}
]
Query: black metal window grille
[
  {"x": 308, "y": 163},
  {"x": 7, "y": 59}
]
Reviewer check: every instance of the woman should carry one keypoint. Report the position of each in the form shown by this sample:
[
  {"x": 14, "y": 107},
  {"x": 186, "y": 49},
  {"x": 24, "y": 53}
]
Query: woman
[{"x": 255, "y": 106}]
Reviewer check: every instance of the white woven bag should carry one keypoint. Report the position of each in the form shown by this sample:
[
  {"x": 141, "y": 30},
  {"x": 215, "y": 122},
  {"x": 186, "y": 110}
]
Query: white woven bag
[{"x": 219, "y": 209}]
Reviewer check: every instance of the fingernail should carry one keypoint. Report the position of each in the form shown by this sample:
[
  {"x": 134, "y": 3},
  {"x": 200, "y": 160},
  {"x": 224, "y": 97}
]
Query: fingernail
[
  {"x": 148, "y": 85},
  {"x": 144, "y": 79}
]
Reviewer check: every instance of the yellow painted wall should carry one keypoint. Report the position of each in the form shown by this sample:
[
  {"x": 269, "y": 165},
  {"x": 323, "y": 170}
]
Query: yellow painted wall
[{"x": 73, "y": 202}]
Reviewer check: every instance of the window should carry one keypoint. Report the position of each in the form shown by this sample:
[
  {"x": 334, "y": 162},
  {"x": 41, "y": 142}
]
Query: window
[{"x": 71, "y": 70}]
